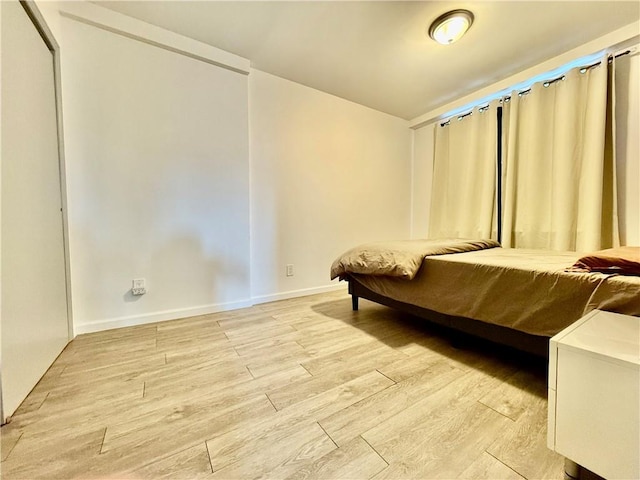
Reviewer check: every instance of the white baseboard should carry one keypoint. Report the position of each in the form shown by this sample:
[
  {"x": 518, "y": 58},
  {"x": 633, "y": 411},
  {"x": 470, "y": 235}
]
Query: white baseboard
[
  {"x": 133, "y": 320},
  {"x": 298, "y": 293}
]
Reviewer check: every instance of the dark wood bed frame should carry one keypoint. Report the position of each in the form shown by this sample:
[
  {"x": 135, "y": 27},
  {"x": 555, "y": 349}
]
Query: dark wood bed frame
[{"x": 535, "y": 344}]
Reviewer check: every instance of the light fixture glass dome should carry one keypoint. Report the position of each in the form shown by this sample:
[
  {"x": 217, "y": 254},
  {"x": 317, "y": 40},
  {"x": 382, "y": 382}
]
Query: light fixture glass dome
[{"x": 451, "y": 26}]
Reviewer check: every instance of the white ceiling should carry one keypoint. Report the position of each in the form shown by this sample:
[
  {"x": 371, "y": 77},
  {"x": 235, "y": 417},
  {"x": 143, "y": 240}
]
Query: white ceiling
[{"x": 376, "y": 53}]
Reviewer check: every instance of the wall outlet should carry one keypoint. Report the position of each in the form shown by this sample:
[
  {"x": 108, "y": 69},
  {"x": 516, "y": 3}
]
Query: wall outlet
[
  {"x": 139, "y": 287},
  {"x": 290, "y": 270}
]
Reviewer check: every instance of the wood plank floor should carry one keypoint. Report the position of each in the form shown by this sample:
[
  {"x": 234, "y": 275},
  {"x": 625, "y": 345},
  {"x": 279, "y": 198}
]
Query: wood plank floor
[{"x": 300, "y": 389}]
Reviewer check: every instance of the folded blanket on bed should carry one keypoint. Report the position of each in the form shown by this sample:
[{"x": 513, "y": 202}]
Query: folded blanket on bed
[
  {"x": 620, "y": 260},
  {"x": 401, "y": 258}
]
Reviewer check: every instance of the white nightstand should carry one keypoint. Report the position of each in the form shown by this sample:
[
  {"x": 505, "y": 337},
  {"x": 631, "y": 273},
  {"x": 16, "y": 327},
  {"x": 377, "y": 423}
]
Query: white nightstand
[{"x": 594, "y": 394}]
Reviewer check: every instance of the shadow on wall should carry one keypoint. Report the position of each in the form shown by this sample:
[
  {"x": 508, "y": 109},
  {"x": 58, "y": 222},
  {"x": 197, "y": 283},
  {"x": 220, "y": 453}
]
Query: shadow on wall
[
  {"x": 188, "y": 276},
  {"x": 130, "y": 297},
  {"x": 179, "y": 275}
]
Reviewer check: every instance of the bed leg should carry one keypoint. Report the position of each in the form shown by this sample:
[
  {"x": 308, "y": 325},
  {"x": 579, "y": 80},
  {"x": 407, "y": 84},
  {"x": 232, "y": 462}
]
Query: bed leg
[
  {"x": 571, "y": 470},
  {"x": 354, "y": 303}
]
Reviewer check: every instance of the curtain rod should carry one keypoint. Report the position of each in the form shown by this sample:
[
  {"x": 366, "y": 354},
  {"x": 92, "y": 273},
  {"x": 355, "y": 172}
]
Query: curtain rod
[
  {"x": 460, "y": 117},
  {"x": 507, "y": 98},
  {"x": 610, "y": 59}
]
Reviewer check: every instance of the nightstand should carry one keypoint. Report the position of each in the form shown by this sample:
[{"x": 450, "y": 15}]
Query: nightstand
[{"x": 594, "y": 394}]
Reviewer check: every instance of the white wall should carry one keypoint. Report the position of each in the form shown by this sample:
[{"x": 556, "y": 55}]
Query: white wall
[
  {"x": 421, "y": 180},
  {"x": 157, "y": 177},
  {"x": 326, "y": 174},
  {"x": 160, "y": 185}
]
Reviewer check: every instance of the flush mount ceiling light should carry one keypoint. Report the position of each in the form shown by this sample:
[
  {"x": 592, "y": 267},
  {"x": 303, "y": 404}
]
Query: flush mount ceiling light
[{"x": 451, "y": 26}]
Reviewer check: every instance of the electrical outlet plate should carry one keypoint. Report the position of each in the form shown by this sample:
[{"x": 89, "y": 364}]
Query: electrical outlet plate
[{"x": 139, "y": 287}]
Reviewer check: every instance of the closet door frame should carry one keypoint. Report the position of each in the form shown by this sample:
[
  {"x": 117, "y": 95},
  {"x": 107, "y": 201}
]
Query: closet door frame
[{"x": 47, "y": 36}]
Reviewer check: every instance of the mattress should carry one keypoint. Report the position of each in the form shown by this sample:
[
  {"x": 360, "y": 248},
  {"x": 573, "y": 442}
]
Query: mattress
[{"x": 526, "y": 290}]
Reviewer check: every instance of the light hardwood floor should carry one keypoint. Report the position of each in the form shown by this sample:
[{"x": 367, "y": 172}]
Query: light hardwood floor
[{"x": 297, "y": 389}]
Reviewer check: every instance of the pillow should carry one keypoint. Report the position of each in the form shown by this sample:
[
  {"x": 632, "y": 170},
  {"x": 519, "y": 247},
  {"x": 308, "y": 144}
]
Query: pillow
[
  {"x": 379, "y": 259},
  {"x": 401, "y": 259},
  {"x": 620, "y": 260}
]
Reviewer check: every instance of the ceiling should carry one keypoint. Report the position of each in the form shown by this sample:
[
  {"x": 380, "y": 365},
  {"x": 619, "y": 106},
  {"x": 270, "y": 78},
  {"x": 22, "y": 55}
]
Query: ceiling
[{"x": 376, "y": 53}]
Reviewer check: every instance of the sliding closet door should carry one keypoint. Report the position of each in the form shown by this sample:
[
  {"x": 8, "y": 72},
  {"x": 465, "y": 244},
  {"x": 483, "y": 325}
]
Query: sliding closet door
[{"x": 34, "y": 297}]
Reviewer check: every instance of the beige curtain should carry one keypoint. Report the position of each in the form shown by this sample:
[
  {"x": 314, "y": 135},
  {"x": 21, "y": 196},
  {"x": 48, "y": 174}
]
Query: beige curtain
[
  {"x": 559, "y": 164},
  {"x": 464, "y": 170}
]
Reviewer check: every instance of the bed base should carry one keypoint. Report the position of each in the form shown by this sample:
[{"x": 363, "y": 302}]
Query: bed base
[{"x": 534, "y": 344}]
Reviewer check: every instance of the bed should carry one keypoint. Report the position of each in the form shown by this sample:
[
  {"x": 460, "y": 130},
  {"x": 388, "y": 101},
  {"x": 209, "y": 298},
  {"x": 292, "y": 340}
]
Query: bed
[{"x": 517, "y": 297}]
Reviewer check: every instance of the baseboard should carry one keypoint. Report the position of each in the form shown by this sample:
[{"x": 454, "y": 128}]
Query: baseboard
[
  {"x": 298, "y": 293},
  {"x": 133, "y": 320},
  {"x": 162, "y": 316}
]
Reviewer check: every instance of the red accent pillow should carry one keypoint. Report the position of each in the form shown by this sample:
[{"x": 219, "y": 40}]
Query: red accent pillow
[{"x": 620, "y": 260}]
